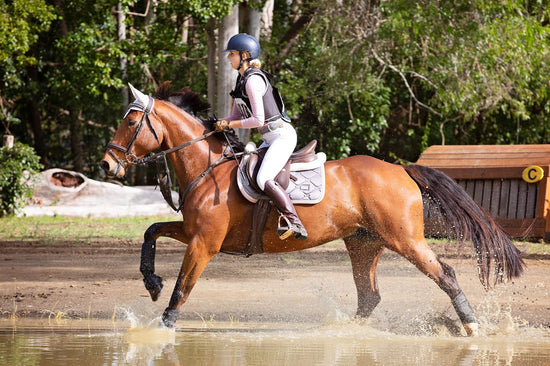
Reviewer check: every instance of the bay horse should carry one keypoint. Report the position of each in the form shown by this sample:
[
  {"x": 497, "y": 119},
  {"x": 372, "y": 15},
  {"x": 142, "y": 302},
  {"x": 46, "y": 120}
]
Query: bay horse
[{"x": 371, "y": 204}]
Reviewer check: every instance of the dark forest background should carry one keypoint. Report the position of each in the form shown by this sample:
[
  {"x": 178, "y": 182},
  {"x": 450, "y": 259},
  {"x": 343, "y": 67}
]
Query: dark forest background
[{"x": 382, "y": 78}]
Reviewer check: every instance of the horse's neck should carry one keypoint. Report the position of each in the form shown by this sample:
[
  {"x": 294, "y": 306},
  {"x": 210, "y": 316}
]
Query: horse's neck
[{"x": 191, "y": 161}]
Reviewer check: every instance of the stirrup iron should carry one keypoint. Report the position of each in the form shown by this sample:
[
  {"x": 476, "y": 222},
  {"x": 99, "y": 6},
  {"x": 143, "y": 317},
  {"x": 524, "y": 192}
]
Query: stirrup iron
[{"x": 282, "y": 231}]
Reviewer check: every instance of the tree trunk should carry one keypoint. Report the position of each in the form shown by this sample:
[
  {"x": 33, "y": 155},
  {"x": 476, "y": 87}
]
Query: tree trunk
[
  {"x": 63, "y": 29},
  {"x": 254, "y": 26},
  {"x": 212, "y": 58},
  {"x": 76, "y": 141},
  {"x": 226, "y": 75},
  {"x": 254, "y": 21},
  {"x": 35, "y": 121},
  {"x": 121, "y": 18},
  {"x": 267, "y": 18},
  {"x": 75, "y": 123},
  {"x": 290, "y": 37}
]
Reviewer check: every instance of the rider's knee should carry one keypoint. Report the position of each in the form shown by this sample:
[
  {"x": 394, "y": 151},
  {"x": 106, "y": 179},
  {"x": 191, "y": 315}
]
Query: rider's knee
[{"x": 261, "y": 179}]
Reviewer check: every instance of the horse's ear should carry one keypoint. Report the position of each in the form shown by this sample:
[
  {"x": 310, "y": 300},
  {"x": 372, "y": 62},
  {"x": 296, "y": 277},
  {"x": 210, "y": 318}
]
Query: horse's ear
[{"x": 142, "y": 98}]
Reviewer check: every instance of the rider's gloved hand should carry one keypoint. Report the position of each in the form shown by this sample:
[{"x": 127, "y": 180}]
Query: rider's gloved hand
[{"x": 222, "y": 125}]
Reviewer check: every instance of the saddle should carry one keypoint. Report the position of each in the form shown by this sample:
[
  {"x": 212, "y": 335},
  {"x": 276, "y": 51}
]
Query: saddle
[
  {"x": 304, "y": 155},
  {"x": 303, "y": 177}
]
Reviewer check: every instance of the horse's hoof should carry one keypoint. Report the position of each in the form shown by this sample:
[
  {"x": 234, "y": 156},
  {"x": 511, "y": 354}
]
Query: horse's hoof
[
  {"x": 153, "y": 284},
  {"x": 169, "y": 317},
  {"x": 472, "y": 329}
]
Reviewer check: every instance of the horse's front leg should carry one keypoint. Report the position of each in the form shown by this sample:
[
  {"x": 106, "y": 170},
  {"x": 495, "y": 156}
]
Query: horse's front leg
[
  {"x": 172, "y": 229},
  {"x": 196, "y": 258}
]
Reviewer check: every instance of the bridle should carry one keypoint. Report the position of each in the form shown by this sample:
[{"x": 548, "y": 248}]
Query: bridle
[
  {"x": 160, "y": 157},
  {"x": 129, "y": 157}
]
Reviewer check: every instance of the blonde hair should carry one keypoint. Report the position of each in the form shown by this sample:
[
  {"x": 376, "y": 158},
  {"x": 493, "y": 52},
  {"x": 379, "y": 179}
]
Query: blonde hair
[{"x": 254, "y": 63}]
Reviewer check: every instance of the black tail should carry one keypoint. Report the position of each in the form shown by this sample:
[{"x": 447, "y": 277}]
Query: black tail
[{"x": 469, "y": 222}]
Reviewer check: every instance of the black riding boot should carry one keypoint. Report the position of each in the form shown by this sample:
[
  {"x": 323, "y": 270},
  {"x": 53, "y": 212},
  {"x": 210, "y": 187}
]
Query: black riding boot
[{"x": 281, "y": 200}]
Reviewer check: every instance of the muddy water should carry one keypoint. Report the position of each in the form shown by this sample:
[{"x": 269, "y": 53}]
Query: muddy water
[{"x": 338, "y": 342}]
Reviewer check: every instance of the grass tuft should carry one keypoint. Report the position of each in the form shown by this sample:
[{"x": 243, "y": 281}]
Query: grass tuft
[{"x": 49, "y": 230}]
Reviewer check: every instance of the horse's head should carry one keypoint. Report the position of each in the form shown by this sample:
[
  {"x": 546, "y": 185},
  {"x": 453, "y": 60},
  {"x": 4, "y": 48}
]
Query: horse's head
[{"x": 135, "y": 137}]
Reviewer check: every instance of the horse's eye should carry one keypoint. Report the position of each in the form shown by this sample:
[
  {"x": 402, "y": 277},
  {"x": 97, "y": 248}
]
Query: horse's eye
[{"x": 132, "y": 122}]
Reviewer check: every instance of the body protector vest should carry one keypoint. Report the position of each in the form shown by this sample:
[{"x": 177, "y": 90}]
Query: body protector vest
[{"x": 274, "y": 107}]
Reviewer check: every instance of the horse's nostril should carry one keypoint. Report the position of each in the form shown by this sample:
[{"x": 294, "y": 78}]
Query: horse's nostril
[{"x": 105, "y": 166}]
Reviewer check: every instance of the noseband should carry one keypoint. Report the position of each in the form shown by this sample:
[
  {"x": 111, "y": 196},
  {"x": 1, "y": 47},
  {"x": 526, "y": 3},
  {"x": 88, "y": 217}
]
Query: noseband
[{"x": 129, "y": 157}]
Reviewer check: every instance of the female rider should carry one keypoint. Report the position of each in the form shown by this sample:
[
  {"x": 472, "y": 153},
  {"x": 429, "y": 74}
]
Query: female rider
[{"x": 255, "y": 107}]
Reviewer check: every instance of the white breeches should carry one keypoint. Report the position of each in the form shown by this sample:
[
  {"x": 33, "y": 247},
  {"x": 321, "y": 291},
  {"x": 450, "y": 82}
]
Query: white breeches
[{"x": 281, "y": 144}]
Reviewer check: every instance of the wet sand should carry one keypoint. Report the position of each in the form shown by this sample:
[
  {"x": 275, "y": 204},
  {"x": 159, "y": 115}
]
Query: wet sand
[{"x": 100, "y": 280}]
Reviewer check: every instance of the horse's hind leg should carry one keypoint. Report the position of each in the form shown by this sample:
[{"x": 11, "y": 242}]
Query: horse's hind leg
[
  {"x": 153, "y": 283},
  {"x": 364, "y": 254},
  {"x": 428, "y": 263}
]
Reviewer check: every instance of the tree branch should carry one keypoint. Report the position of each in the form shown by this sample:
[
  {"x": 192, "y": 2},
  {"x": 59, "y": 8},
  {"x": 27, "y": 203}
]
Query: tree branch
[
  {"x": 382, "y": 62},
  {"x": 292, "y": 34},
  {"x": 137, "y": 14}
]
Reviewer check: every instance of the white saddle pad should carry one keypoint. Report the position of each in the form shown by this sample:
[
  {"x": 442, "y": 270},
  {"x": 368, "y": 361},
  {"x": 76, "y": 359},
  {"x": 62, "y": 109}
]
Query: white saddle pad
[{"x": 307, "y": 182}]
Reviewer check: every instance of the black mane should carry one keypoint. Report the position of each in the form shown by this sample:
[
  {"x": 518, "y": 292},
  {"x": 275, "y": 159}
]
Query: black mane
[
  {"x": 191, "y": 102},
  {"x": 184, "y": 98}
]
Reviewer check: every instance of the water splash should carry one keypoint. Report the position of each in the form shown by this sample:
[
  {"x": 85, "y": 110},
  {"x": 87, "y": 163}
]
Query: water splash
[
  {"x": 333, "y": 314},
  {"x": 147, "y": 338},
  {"x": 139, "y": 314},
  {"x": 496, "y": 319}
]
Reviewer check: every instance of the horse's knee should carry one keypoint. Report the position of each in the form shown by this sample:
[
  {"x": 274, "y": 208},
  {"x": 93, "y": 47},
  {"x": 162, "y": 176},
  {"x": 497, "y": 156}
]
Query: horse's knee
[
  {"x": 148, "y": 252},
  {"x": 169, "y": 317},
  {"x": 152, "y": 232}
]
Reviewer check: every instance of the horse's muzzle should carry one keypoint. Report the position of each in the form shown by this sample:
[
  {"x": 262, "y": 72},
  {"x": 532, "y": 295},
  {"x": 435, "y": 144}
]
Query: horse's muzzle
[{"x": 112, "y": 168}]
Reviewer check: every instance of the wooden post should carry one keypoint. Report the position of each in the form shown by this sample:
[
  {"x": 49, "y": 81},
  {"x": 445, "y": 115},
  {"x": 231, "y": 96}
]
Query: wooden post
[
  {"x": 8, "y": 141},
  {"x": 544, "y": 203}
]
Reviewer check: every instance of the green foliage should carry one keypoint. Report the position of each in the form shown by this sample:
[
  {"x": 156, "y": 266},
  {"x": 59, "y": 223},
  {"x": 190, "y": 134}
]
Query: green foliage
[
  {"x": 20, "y": 24},
  {"x": 17, "y": 166},
  {"x": 202, "y": 10},
  {"x": 329, "y": 85},
  {"x": 476, "y": 64},
  {"x": 79, "y": 79},
  {"x": 363, "y": 77}
]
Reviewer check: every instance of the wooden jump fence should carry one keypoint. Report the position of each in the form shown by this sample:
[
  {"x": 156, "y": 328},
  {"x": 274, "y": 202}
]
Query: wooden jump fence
[{"x": 509, "y": 181}]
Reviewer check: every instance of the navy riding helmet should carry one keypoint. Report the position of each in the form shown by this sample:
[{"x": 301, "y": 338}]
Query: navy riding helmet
[{"x": 244, "y": 42}]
